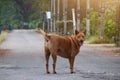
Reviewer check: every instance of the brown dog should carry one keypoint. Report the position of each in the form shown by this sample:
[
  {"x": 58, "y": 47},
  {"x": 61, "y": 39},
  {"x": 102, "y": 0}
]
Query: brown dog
[{"x": 67, "y": 47}]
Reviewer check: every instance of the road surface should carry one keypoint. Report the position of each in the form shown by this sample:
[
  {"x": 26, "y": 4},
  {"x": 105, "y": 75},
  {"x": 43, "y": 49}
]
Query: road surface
[{"x": 22, "y": 58}]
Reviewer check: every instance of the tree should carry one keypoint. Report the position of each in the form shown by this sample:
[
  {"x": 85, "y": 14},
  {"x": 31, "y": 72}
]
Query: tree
[
  {"x": 117, "y": 38},
  {"x": 110, "y": 24},
  {"x": 25, "y": 6},
  {"x": 95, "y": 23},
  {"x": 88, "y": 18},
  {"x": 7, "y": 12}
]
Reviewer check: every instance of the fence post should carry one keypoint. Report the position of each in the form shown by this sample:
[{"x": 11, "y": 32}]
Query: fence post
[{"x": 74, "y": 21}]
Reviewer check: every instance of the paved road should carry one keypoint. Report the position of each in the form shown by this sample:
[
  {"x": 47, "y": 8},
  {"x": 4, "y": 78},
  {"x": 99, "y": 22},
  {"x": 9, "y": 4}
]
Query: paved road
[{"x": 23, "y": 59}]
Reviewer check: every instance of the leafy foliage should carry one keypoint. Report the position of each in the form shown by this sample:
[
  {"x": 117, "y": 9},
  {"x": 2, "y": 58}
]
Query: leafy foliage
[
  {"x": 8, "y": 13},
  {"x": 17, "y": 12},
  {"x": 96, "y": 39},
  {"x": 110, "y": 24},
  {"x": 94, "y": 23}
]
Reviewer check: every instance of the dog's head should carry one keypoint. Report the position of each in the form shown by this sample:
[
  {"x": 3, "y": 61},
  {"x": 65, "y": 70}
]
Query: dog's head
[{"x": 80, "y": 36}]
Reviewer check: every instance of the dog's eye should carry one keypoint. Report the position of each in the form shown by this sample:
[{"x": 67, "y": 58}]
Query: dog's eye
[
  {"x": 82, "y": 36},
  {"x": 46, "y": 40}
]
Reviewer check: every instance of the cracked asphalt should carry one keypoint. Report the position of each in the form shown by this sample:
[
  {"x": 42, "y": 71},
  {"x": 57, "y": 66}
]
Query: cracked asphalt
[{"x": 23, "y": 59}]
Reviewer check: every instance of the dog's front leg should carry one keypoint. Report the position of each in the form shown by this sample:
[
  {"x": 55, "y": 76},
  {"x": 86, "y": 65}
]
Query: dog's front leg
[
  {"x": 54, "y": 63},
  {"x": 71, "y": 61}
]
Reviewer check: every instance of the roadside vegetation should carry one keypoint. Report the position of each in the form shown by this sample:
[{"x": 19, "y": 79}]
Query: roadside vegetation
[
  {"x": 3, "y": 36},
  {"x": 30, "y": 14}
]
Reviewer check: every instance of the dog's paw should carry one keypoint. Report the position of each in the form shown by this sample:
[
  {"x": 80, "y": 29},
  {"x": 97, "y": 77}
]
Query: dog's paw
[
  {"x": 72, "y": 72},
  {"x": 54, "y": 72},
  {"x": 48, "y": 72}
]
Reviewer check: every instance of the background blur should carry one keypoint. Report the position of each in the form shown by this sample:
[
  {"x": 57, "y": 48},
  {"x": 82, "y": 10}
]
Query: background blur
[{"x": 104, "y": 17}]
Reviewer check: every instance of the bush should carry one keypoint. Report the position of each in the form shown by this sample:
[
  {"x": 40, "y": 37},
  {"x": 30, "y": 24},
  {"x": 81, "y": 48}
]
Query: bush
[
  {"x": 97, "y": 40},
  {"x": 35, "y": 24},
  {"x": 110, "y": 24},
  {"x": 60, "y": 27},
  {"x": 94, "y": 23}
]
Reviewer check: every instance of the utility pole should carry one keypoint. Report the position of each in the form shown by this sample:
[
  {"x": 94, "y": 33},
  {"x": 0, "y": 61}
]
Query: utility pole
[
  {"x": 51, "y": 15},
  {"x": 88, "y": 18},
  {"x": 48, "y": 15},
  {"x": 58, "y": 10},
  {"x": 54, "y": 13},
  {"x": 44, "y": 19},
  {"x": 65, "y": 15},
  {"x": 58, "y": 15},
  {"x": 117, "y": 38},
  {"x": 102, "y": 19},
  {"x": 74, "y": 21},
  {"x": 78, "y": 15}
]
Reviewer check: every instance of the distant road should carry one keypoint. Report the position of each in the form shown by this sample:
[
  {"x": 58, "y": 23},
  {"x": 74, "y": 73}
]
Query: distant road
[{"x": 24, "y": 60}]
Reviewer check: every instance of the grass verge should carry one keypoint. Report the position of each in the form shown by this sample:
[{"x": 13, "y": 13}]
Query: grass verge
[
  {"x": 3, "y": 36},
  {"x": 97, "y": 40}
]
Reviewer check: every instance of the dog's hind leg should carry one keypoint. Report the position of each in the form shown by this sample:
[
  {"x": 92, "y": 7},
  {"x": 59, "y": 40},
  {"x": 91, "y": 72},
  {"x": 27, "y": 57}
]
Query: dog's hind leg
[
  {"x": 47, "y": 55},
  {"x": 54, "y": 63}
]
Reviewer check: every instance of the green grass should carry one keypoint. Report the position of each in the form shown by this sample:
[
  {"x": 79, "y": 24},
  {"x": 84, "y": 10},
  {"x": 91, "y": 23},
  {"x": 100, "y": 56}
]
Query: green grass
[
  {"x": 3, "y": 36},
  {"x": 96, "y": 40}
]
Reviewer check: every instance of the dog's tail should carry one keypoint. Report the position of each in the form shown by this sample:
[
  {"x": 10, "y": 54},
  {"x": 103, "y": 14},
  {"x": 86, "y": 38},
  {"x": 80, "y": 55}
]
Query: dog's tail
[{"x": 46, "y": 36}]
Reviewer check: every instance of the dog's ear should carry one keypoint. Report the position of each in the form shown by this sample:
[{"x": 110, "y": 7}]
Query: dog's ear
[
  {"x": 84, "y": 32},
  {"x": 76, "y": 32}
]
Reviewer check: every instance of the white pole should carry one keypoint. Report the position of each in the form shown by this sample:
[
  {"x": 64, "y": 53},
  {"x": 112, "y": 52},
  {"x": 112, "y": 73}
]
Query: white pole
[
  {"x": 58, "y": 12},
  {"x": 51, "y": 14},
  {"x": 88, "y": 18},
  {"x": 78, "y": 15},
  {"x": 65, "y": 15},
  {"x": 54, "y": 17},
  {"x": 74, "y": 21}
]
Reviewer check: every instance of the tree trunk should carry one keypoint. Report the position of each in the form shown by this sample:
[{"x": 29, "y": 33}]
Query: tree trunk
[
  {"x": 25, "y": 11},
  {"x": 117, "y": 38},
  {"x": 78, "y": 15},
  {"x": 51, "y": 23},
  {"x": 88, "y": 18},
  {"x": 54, "y": 13},
  {"x": 65, "y": 15}
]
